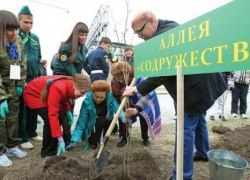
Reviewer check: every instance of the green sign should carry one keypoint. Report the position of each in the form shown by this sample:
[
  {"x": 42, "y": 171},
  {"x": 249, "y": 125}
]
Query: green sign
[{"x": 215, "y": 42}]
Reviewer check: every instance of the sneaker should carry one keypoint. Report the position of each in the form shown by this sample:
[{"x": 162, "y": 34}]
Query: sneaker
[
  {"x": 122, "y": 143},
  {"x": 212, "y": 117},
  {"x": 26, "y": 145},
  {"x": 15, "y": 151},
  {"x": 5, "y": 161},
  {"x": 37, "y": 138},
  {"x": 222, "y": 118},
  {"x": 234, "y": 115},
  {"x": 146, "y": 142},
  {"x": 243, "y": 116}
]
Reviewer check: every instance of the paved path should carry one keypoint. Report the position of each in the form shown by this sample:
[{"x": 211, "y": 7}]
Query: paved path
[{"x": 167, "y": 109}]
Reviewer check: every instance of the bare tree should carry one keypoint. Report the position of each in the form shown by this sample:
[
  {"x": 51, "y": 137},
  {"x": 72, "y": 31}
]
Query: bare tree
[
  {"x": 122, "y": 39},
  {"x": 126, "y": 21}
]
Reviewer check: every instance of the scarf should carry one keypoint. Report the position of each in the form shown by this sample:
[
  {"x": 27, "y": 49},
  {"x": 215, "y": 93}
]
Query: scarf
[
  {"x": 12, "y": 50},
  {"x": 151, "y": 112},
  {"x": 26, "y": 38}
]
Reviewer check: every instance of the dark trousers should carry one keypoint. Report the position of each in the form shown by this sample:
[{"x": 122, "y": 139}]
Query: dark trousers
[
  {"x": 239, "y": 93},
  {"x": 22, "y": 121},
  {"x": 31, "y": 123},
  {"x": 49, "y": 144},
  {"x": 66, "y": 127},
  {"x": 123, "y": 130},
  {"x": 101, "y": 125}
]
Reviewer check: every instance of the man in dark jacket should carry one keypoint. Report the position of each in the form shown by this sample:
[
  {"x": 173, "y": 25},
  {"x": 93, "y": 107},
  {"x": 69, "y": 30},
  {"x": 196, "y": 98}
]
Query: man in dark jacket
[
  {"x": 97, "y": 60},
  {"x": 200, "y": 92}
]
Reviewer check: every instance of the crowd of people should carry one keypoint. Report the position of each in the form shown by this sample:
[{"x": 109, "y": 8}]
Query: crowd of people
[{"x": 26, "y": 91}]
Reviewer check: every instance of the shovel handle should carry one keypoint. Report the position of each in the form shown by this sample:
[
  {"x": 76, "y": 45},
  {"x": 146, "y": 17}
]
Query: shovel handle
[{"x": 112, "y": 125}]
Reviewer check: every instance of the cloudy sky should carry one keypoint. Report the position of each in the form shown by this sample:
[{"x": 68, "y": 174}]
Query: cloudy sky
[{"x": 55, "y": 19}]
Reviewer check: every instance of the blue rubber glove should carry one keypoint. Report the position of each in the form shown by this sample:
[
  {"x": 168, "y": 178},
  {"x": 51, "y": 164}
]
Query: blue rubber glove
[
  {"x": 19, "y": 91},
  {"x": 4, "y": 110},
  {"x": 70, "y": 117},
  {"x": 60, "y": 146}
]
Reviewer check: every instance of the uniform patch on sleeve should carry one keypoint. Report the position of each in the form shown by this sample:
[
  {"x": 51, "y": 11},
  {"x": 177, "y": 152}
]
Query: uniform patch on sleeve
[
  {"x": 63, "y": 57},
  {"x": 107, "y": 58}
]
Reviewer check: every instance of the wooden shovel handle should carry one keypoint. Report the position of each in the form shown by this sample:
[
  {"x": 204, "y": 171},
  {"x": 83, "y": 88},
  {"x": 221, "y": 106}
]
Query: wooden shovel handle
[
  {"x": 112, "y": 125},
  {"x": 180, "y": 124}
]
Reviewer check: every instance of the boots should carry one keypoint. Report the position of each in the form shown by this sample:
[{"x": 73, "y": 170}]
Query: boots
[{"x": 122, "y": 142}]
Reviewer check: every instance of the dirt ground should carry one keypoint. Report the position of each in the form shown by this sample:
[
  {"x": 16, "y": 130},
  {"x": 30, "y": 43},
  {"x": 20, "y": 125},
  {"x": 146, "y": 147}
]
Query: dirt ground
[{"x": 133, "y": 162}]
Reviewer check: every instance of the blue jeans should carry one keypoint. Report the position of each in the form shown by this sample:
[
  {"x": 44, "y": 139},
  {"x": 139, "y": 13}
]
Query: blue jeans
[{"x": 195, "y": 134}]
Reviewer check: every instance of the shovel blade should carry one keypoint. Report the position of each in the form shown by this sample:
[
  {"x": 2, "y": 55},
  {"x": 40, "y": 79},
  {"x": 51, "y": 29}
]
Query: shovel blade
[{"x": 97, "y": 164}]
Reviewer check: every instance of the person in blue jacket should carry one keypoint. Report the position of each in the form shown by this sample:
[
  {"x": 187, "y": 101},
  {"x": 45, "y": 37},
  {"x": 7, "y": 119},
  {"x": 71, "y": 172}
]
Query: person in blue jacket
[
  {"x": 96, "y": 115},
  {"x": 97, "y": 61}
]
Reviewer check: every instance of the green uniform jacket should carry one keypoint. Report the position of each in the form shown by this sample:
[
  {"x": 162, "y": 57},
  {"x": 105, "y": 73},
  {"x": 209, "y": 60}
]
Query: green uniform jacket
[
  {"x": 33, "y": 51},
  {"x": 8, "y": 86},
  {"x": 64, "y": 66}
]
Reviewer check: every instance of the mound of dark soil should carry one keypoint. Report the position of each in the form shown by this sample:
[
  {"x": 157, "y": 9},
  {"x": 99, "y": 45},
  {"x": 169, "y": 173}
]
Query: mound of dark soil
[
  {"x": 139, "y": 165},
  {"x": 221, "y": 129},
  {"x": 237, "y": 141},
  {"x": 59, "y": 167}
]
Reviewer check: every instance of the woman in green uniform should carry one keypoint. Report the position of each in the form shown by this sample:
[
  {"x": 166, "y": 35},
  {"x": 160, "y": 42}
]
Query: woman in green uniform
[{"x": 72, "y": 52}]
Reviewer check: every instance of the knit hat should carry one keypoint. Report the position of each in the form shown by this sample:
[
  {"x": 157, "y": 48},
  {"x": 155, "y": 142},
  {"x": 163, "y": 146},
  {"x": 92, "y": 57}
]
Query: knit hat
[
  {"x": 25, "y": 10},
  {"x": 128, "y": 48}
]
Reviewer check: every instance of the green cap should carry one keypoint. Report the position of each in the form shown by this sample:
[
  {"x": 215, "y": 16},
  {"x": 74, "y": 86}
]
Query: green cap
[{"x": 25, "y": 10}]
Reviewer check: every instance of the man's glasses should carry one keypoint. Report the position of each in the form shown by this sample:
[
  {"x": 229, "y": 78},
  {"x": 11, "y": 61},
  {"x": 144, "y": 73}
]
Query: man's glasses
[{"x": 142, "y": 28}]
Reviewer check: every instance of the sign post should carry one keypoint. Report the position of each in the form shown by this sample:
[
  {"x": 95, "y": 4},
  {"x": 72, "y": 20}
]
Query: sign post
[{"x": 180, "y": 124}]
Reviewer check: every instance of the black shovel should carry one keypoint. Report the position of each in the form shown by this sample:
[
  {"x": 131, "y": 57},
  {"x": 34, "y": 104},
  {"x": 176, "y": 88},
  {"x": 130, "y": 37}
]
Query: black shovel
[{"x": 100, "y": 158}]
